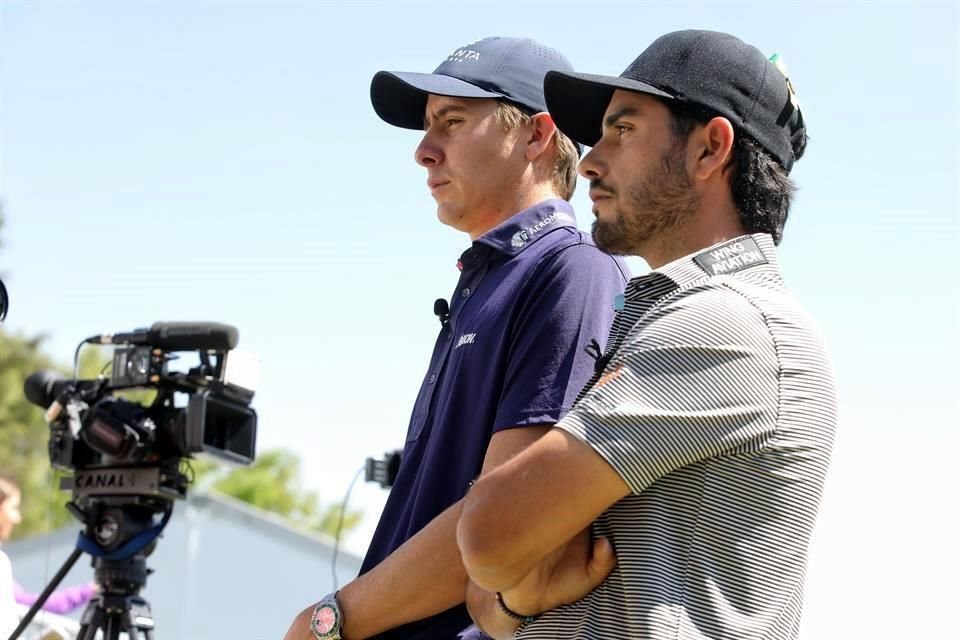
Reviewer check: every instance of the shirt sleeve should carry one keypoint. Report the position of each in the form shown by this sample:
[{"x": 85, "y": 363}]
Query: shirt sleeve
[
  {"x": 567, "y": 302},
  {"x": 698, "y": 379}
]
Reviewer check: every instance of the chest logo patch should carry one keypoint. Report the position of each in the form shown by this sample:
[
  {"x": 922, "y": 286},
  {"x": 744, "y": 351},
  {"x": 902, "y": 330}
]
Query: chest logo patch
[
  {"x": 466, "y": 338},
  {"x": 524, "y": 236}
]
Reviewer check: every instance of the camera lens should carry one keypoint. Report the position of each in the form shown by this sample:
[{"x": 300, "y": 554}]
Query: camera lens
[{"x": 138, "y": 364}]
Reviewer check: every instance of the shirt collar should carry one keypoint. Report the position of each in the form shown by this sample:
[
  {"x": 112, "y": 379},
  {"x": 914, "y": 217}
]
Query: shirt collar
[
  {"x": 521, "y": 230},
  {"x": 748, "y": 252}
]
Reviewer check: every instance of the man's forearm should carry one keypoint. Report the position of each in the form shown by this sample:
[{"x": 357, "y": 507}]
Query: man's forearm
[{"x": 423, "y": 577}]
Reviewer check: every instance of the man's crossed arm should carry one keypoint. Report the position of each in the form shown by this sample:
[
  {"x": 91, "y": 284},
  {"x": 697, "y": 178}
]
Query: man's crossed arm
[
  {"x": 426, "y": 575},
  {"x": 539, "y": 554}
]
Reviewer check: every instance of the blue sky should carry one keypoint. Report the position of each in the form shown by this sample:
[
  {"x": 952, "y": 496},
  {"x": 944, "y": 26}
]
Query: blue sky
[{"x": 221, "y": 161}]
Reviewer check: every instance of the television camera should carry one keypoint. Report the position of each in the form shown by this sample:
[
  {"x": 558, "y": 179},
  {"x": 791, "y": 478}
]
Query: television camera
[{"x": 127, "y": 458}]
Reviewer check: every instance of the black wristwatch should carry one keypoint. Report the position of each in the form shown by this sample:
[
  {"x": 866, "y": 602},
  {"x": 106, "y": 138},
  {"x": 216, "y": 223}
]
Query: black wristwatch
[{"x": 327, "y": 619}]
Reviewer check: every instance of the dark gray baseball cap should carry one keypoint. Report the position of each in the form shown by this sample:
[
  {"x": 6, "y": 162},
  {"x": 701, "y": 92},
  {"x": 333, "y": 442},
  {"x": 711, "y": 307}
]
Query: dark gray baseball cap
[{"x": 714, "y": 71}]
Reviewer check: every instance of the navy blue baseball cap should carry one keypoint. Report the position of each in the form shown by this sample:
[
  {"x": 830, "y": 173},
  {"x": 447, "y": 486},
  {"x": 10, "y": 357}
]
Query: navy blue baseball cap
[
  {"x": 715, "y": 72},
  {"x": 510, "y": 69}
]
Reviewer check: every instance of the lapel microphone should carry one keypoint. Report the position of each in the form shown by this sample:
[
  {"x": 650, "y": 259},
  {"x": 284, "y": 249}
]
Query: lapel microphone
[{"x": 441, "y": 309}]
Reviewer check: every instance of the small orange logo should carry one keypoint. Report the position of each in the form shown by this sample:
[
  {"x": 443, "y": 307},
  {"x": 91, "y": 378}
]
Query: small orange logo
[{"x": 612, "y": 374}]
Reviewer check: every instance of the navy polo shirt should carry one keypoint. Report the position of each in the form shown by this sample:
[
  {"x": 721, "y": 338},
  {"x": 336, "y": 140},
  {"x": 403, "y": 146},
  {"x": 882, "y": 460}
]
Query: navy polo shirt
[{"x": 533, "y": 292}]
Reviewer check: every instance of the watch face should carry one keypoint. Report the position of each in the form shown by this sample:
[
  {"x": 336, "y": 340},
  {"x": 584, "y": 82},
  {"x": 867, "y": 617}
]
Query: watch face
[{"x": 324, "y": 622}]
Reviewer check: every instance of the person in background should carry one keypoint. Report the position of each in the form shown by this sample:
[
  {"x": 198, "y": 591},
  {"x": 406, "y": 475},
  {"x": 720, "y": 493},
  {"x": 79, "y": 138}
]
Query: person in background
[{"x": 60, "y": 601}]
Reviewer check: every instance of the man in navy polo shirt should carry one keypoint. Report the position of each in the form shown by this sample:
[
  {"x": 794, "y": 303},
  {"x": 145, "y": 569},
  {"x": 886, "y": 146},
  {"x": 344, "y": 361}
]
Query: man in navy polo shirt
[{"x": 532, "y": 306}]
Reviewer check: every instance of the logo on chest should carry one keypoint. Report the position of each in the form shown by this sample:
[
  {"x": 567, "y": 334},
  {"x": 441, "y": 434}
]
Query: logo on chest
[
  {"x": 524, "y": 236},
  {"x": 466, "y": 338}
]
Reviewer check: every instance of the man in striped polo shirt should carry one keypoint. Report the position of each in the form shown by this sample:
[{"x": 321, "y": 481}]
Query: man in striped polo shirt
[{"x": 696, "y": 455}]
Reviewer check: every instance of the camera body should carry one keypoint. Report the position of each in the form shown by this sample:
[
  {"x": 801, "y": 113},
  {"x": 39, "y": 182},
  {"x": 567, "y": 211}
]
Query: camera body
[{"x": 115, "y": 446}]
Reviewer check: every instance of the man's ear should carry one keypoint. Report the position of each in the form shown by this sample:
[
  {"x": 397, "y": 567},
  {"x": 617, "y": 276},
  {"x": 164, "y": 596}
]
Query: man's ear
[
  {"x": 710, "y": 148},
  {"x": 542, "y": 131}
]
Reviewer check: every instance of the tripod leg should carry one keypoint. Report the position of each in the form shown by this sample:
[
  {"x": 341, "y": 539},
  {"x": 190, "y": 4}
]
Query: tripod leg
[
  {"x": 112, "y": 629},
  {"x": 138, "y": 617},
  {"x": 91, "y": 623},
  {"x": 71, "y": 560}
]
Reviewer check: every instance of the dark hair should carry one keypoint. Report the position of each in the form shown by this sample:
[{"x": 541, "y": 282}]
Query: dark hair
[{"x": 762, "y": 189}]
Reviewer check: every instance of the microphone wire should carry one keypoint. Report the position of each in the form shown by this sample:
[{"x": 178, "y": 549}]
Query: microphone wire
[
  {"x": 336, "y": 537},
  {"x": 76, "y": 362}
]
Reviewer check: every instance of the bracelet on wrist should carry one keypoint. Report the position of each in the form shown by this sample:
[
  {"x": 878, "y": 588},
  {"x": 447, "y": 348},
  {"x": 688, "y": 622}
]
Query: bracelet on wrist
[{"x": 510, "y": 612}]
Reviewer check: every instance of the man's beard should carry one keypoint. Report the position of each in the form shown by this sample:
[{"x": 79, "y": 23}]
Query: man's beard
[{"x": 662, "y": 200}]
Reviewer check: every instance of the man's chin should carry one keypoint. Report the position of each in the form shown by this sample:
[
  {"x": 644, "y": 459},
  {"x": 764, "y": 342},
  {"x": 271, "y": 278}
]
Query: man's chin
[
  {"x": 609, "y": 237},
  {"x": 448, "y": 215}
]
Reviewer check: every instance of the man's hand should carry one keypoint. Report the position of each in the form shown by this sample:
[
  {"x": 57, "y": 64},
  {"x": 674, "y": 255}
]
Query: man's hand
[
  {"x": 566, "y": 575},
  {"x": 300, "y": 629}
]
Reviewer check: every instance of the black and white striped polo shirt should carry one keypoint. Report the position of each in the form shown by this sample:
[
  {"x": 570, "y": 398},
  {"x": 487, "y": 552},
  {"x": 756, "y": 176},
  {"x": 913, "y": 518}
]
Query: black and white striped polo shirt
[{"x": 718, "y": 409}]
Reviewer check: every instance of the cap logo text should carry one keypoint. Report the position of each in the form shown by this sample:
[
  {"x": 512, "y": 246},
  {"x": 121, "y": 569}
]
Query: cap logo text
[{"x": 462, "y": 55}]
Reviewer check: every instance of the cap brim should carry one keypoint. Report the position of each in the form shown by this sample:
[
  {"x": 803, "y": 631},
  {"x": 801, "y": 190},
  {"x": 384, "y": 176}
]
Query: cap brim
[
  {"x": 577, "y": 101},
  {"x": 400, "y": 98}
]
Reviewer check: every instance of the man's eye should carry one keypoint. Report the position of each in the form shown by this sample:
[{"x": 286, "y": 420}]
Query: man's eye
[
  {"x": 453, "y": 121},
  {"x": 621, "y": 129}
]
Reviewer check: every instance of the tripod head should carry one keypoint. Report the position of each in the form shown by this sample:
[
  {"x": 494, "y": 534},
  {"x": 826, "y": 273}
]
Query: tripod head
[{"x": 119, "y": 532}]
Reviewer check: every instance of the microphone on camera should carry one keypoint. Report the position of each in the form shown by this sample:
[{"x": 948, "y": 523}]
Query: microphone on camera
[
  {"x": 441, "y": 309},
  {"x": 43, "y": 387},
  {"x": 49, "y": 390},
  {"x": 176, "y": 336}
]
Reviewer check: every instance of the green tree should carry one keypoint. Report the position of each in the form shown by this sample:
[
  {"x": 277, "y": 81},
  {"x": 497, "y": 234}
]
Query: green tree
[
  {"x": 23, "y": 438},
  {"x": 24, "y": 432},
  {"x": 272, "y": 483}
]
